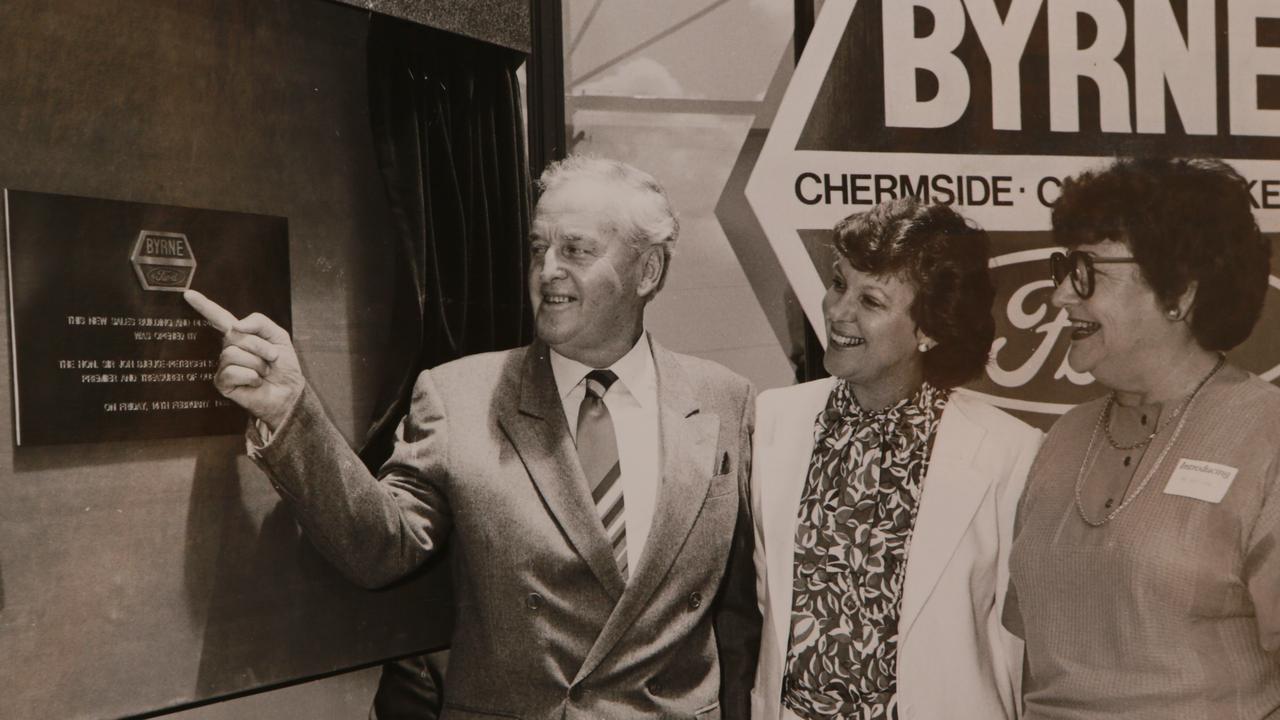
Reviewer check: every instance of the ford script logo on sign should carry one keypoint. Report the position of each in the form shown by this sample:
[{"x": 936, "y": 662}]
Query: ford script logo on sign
[
  {"x": 163, "y": 261},
  {"x": 1028, "y": 332},
  {"x": 988, "y": 105},
  {"x": 1028, "y": 369}
]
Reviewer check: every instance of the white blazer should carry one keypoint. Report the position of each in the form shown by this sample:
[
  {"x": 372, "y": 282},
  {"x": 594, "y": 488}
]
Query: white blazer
[{"x": 955, "y": 660}]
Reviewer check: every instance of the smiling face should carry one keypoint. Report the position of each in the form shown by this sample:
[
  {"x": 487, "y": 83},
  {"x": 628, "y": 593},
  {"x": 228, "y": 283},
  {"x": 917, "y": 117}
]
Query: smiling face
[
  {"x": 587, "y": 284},
  {"x": 1120, "y": 334},
  {"x": 872, "y": 341}
]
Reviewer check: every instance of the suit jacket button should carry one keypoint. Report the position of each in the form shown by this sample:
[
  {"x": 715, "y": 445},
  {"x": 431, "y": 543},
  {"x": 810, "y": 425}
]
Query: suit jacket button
[
  {"x": 534, "y": 601},
  {"x": 695, "y": 600},
  {"x": 655, "y": 687}
]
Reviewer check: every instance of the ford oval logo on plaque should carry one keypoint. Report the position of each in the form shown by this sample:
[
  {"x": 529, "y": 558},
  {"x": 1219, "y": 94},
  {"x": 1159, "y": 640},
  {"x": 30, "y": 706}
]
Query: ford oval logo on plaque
[{"x": 164, "y": 261}]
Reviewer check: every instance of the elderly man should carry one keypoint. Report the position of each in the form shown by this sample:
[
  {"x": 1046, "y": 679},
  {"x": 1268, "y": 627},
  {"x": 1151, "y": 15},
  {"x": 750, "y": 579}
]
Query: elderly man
[{"x": 594, "y": 483}]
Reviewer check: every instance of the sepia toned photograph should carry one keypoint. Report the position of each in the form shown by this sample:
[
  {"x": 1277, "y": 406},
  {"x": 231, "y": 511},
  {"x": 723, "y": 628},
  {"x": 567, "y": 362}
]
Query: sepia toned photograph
[{"x": 601, "y": 359}]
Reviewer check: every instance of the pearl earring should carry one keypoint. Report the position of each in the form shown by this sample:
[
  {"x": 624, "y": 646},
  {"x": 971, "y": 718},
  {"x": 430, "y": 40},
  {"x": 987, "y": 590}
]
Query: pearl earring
[
  {"x": 923, "y": 347},
  {"x": 1174, "y": 314}
]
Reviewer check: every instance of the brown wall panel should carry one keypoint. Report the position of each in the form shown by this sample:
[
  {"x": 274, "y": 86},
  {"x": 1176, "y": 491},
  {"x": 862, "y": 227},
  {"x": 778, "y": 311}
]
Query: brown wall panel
[
  {"x": 141, "y": 575},
  {"x": 500, "y": 22}
]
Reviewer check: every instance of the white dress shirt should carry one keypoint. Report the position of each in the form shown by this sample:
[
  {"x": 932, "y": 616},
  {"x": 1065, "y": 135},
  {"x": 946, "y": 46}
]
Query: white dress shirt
[{"x": 632, "y": 401}]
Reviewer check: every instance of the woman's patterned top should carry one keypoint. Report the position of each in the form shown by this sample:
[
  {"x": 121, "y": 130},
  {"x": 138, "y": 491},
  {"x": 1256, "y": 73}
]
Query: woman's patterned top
[{"x": 859, "y": 506}]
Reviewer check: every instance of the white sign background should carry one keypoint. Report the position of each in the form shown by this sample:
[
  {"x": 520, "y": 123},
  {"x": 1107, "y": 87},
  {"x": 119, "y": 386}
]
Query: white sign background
[{"x": 779, "y": 187}]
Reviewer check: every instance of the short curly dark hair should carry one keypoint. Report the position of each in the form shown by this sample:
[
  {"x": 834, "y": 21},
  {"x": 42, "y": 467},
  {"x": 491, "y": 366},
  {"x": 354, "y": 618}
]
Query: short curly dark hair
[
  {"x": 944, "y": 258},
  {"x": 1185, "y": 221}
]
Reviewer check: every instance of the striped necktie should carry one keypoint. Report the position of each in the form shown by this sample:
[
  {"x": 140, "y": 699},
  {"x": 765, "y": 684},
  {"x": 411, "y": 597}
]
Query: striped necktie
[{"x": 598, "y": 452}]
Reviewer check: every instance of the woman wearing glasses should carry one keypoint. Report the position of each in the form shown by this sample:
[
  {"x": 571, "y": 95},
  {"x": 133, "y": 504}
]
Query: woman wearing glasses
[
  {"x": 1146, "y": 564},
  {"x": 884, "y": 498}
]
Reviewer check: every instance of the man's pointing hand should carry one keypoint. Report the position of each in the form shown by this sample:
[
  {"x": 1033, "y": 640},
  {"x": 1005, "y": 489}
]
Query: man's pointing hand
[{"x": 258, "y": 368}]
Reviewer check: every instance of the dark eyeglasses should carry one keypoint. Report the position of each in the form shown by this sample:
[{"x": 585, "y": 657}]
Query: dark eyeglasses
[{"x": 1079, "y": 266}]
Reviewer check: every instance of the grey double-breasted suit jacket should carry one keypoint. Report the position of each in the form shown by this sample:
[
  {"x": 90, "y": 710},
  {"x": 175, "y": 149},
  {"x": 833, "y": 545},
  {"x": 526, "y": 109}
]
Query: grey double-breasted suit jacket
[{"x": 545, "y": 625}]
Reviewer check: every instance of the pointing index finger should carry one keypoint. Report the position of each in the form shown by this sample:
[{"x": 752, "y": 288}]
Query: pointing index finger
[{"x": 219, "y": 317}]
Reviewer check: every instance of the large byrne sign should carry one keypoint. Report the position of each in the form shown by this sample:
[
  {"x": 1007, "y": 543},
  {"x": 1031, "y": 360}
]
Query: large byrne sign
[
  {"x": 987, "y": 105},
  {"x": 104, "y": 348}
]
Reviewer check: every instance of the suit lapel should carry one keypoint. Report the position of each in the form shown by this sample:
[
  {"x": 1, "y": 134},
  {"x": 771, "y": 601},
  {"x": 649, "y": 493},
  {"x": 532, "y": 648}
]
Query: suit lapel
[
  {"x": 538, "y": 430},
  {"x": 688, "y": 442},
  {"x": 953, "y": 490},
  {"x": 782, "y": 474}
]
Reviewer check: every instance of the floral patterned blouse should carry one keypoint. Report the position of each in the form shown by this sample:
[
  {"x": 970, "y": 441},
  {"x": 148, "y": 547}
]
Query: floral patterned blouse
[{"x": 860, "y": 501}]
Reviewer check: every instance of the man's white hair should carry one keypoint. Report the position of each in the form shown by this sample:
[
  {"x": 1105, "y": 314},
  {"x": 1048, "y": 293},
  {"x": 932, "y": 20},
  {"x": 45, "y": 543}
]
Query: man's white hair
[{"x": 647, "y": 218}]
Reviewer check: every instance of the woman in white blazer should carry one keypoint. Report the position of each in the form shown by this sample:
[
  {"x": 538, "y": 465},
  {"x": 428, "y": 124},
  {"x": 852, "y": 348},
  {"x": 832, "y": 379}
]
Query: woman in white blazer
[{"x": 884, "y": 496}]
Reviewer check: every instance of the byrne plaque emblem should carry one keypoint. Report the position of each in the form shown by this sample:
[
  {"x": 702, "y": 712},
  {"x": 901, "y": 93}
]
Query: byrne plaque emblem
[{"x": 163, "y": 261}]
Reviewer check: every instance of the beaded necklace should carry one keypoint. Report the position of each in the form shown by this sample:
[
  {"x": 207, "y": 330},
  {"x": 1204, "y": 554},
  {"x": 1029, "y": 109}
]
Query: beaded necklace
[{"x": 1103, "y": 418}]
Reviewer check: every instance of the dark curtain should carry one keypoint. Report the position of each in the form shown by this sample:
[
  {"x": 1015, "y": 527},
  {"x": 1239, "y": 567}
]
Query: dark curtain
[
  {"x": 445, "y": 112},
  {"x": 448, "y": 130}
]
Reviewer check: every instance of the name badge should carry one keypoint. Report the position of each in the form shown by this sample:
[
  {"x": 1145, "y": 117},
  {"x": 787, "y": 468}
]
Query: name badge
[{"x": 1200, "y": 480}]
